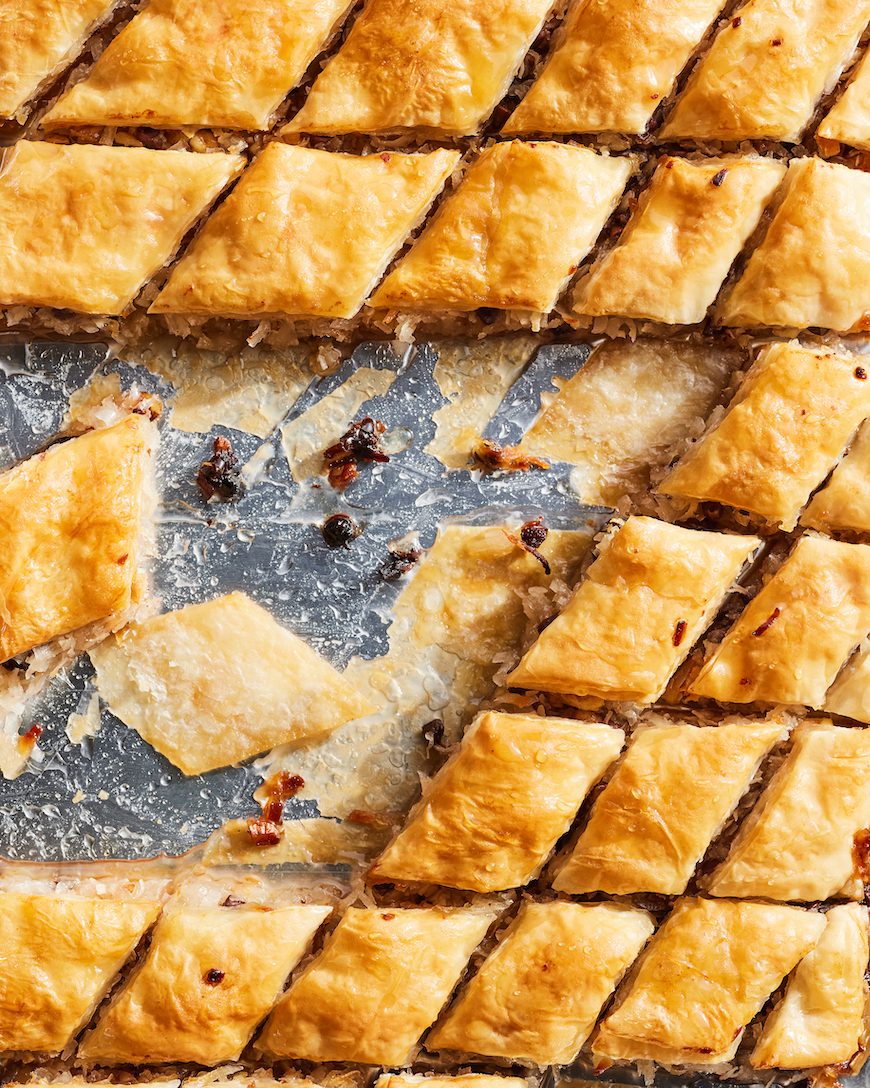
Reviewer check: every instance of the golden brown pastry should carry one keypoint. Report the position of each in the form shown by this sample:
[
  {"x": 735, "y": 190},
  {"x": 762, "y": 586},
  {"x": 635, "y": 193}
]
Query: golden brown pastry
[
  {"x": 77, "y": 508},
  {"x": 493, "y": 814},
  {"x": 37, "y": 39},
  {"x": 849, "y": 695},
  {"x": 766, "y": 70},
  {"x": 58, "y": 957},
  {"x": 483, "y": 246},
  {"x": 224, "y": 64},
  {"x": 210, "y": 976},
  {"x": 813, "y": 266},
  {"x": 306, "y": 232},
  {"x": 422, "y": 64},
  {"x": 798, "y": 841},
  {"x": 379, "y": 982},
  {"x": 844, "y": 501},
  {"x": 690, "y": 223},
  {"x": 791, "y": 419},
  {"x": 793, "y": 637},
  {"x": 218, "y": 682},
  {"x": 109, "y": 218},
  {"x": 650, "y": 594},
  {"x": 612, "y": 64},
  {"x": 848, "y": 121},
  {"x": 666, "y": 801},
  {"x": 820, "y": 1019},
  {"x": 463, "y": 1080},
  {"x": 537, "y": 997},
  {"x": 707, "y": 972}
]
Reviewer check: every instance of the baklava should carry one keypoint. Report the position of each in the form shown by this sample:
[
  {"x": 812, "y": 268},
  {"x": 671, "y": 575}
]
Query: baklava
[
  {"x": 843, "y": 504},
  {"x": 849, "y": 695},
  {"x": 848, "y": 121}
]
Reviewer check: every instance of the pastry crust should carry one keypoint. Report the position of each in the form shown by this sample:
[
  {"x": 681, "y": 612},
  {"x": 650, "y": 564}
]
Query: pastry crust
[
  {"x": 537, "y": 997},
  {"x": 37, "y": 39},
  {"x": 649, "y": 595},
  {"x": 707, "y": 972},
  {"x": 463, "y": 1080},
  {"x": 76, "y": 508},
  {"x": 791, "y": 419},
  {"x": 379, "y": 982},
  {"x": 109, "y": 218},
  {"x": 422, "y": 64},
  {"x": 614, "y": 61},
  {"x": 767, "y": 69},
  {"x": 180, "y": 62},
  {"x": 218, "y": 682},
  {"x": 844, "y": 501},
  {"x": 849, "y": 695},
  {"x": 690, "y": 224},
  {"x": 58, "y": 956},
  {"x": 848, "y": 121},
  {"x": 793, "y": 637},
  {"x": 812, "y": 268},
  {"x": 495, "y": 811},
  {"x": 663, "y": 806},
  {"x": 210, "y": 976},
  {"x": 798, "y": 842},
  {"x": 483, "y": 247},
  {"x": 820, "y": 1020},
  {"x": 305, "y": 232}
]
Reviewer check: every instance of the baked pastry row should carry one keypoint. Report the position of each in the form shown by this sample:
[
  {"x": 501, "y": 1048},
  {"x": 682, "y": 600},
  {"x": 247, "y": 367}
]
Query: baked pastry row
[
  {"x": 211, "y": 974},
  {"x": 309, "y": 234},
  {"x": 612, "y": 65}
]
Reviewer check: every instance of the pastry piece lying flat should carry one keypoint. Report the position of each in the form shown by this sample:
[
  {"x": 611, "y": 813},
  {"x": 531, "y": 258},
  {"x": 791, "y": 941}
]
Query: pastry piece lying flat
[
  {"x": 483, "y": 247},
  {"x": 650, "y": 594},
  {"x": 58, "y": 957},
  {"x": 221, "y": 64},
  {"x": 537, "y": 997},
  {"x": 707, "y": 972},
  {"x": 495, "y": 811},
  {"x": 798, "y": 841},
  {"x": 109, "y": 219},
  {"x": 791, "y": 640},
  {"x": 305, "y": 232},
  {"x": 691, "y": 222},
  {"x": 37, "y": 39},
  {"x": 380, "y": 981},
  {"x": 766, "y": 70},
  {"x": 844, "y": 502},
  {"x": 848, "y": 121},
  {"x": 219, "y": 682},
  {"x": 422, "y": 64},
  {"x": 813, "y": 266},
  {"x": 791, "y": 419},
  {"x": 849, "y": 695},
  {"x": 665, "y": 803},
  {"x": 78, "y": 508},
  {"x": 210, "y": 976},
  {"x": 820, "y": 1019},
  {"x": 613, "y": 63}
]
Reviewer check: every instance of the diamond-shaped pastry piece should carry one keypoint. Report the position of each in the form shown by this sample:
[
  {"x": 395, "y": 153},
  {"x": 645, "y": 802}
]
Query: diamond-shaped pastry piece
[
  {"x": 672, "y": 258},
  {"x": 58, "y": 957},
  {"x": 484, "y": 245},
  {"x": 848, "y": 121},
  {"x": 224, "y": 64},
  {"x": 85, "y": 226},
  {"x": 844, "y": 501},
  {"x": 767, "y": 68},
  {"x": 422, "y": 64},
  {"x": 306, "y": 233},
  {"x": 649, "y": 595},
  {"x": 791, "y": 419},
  {"x": 612, "y": 64},
  {"x": 218, "y": 682},
  {"x": 793, "y": 637},
  {"x": 537, "y": 997},
  {"x": 849, "y": 695},
  {"x": 78, "y": 509},
  {"x": 812, "y": 268},
  {"x": 706, "y": 973}
]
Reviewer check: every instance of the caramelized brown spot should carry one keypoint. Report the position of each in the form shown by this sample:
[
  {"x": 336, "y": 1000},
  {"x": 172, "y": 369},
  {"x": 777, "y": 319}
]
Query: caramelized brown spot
[
  {"x": 744, "y": 680},
  {"x": 368, "y": 819},
  {"x": 861, "y": 854},
  {"x": 776, "y": 41},
  {"x": 768, "y": 623},
  {"x": 679, "y": 632},
  {"x": 719, "y": 177},
  {"x": 123, "y": 559},
  {"x": 736, "y": 22},
  {"x": 264, "y": 832},
  {"x": 360, "y": 444},
  {"x": 492, "y": 456},
  {"x": 233, "y": 901},
  {"x": 218, "y": 477},
  {"x": 388, "y": 917},
  {"x": 860, "y": 373},
  {"x": 213, "y": 977}
]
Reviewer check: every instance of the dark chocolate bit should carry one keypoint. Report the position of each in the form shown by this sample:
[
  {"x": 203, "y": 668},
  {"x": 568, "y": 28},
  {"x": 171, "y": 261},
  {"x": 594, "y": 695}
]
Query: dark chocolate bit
[
  {"x": 398, "y": 562},
  {"x": 360, "y": 444},
  {"x": 719, "y": 177},
  {"x": 860, "y": 373},
  {"x": 213, "y": 977},
  {"x": 532, "y": 535},
  {"x": 492, "y": 456},
  {"x": 339, "y": 530},
  {"x": 768, "y": 623},
  {"x": 679, "y": 632},
  {"x": 218, "y": 477}
]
